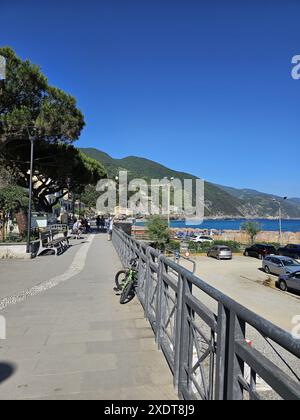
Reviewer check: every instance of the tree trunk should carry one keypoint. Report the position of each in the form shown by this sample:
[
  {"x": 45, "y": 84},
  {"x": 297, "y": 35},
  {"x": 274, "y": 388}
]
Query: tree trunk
[{"x": 22, "y": 221}]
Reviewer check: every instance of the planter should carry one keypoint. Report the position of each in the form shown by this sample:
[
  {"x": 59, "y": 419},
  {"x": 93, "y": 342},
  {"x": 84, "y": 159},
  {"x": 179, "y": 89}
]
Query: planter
[{"x": 14, "y": 251}]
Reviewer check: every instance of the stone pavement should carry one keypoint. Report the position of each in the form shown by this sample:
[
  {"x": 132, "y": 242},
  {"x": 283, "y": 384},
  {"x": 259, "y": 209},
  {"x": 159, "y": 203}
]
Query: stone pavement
[{"x": 72, "y": 339}]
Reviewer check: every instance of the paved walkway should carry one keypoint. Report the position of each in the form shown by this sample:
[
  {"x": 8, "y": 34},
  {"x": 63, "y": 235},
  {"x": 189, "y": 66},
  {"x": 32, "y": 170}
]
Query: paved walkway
[{"x": 69, "y": 338}]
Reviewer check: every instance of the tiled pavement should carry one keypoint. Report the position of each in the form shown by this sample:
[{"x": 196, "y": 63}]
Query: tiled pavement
[{"x": 75, "y": 341}]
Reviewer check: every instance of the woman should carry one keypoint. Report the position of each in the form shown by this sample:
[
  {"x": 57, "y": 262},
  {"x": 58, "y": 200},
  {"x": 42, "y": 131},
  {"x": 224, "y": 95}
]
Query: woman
[{"x": 110, "y": 227}]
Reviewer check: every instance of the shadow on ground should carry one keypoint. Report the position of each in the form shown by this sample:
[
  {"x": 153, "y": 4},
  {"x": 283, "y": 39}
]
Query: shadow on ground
[{"x": 6, "y": 371}]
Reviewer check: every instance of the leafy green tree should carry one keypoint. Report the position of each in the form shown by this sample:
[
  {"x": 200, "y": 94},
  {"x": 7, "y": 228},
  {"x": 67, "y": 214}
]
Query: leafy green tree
[
  {"x": 90, "y": 196},
  {"x": 28, "y": 104},
  {"x": 32, "y": 109},
  {"x": 13, "y": 203},
  {"x": 252, "y": 229},
  {"x": 159, "y": 232}
]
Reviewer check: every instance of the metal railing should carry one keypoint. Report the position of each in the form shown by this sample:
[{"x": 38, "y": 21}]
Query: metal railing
[{"x": 206, "y": 349}]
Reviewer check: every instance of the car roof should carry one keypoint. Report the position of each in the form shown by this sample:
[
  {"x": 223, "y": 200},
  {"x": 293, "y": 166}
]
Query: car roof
[
  {"x": 279, "y": 257},
  {"x": 266, "y": 245}
]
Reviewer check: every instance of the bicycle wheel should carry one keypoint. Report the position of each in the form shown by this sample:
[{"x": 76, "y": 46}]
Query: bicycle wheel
[
  {"x": 120, "y": 278},
  {"x": 127, "y": 293}
]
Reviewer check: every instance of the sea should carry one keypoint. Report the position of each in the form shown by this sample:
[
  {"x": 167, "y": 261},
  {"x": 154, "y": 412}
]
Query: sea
[{"x": 235, "y": 224}]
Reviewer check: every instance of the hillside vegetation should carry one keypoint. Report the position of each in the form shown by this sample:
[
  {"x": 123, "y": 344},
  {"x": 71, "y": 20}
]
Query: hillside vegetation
[{"x": 220, "y": 201}]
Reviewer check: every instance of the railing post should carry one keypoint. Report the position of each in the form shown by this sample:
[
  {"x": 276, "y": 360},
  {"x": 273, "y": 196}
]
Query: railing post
[
  {"x": 179, "y": 311},
  {"x": 237, "y": 330},
  {"x": 222, "y": 353},
  {"x": 186, "y": 342},
  {"x": 147, "y": 283},
  {"x": 159, "y": 302}
]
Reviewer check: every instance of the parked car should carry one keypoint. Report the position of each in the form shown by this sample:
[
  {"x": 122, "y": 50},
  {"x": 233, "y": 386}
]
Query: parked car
[
  {"x": 201, "y": 239},
  {"x": 289, "y": 282},
  {"x": 221, "y": 252},
  {"x": 280, "y": 265},
  {"x": 290, "y": 250},
  {"x": 260, "y": 251}
]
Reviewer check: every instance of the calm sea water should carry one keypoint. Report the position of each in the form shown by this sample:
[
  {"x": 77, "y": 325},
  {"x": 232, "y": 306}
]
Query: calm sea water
[{"x": 268, "y": 225}]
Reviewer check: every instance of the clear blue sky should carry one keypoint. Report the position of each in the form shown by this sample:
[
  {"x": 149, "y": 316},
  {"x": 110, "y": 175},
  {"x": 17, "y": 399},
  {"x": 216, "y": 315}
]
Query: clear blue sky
[{"x": 202, "y": 86}]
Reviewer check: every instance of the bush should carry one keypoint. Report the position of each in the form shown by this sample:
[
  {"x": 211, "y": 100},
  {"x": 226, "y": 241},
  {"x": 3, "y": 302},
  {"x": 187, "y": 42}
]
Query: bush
[
  {"x": 233, "y": 245},
  {"x": 205, "y": 246},
  {"x": 174, "y": 246},
  {"x": 159, "y": 232}
]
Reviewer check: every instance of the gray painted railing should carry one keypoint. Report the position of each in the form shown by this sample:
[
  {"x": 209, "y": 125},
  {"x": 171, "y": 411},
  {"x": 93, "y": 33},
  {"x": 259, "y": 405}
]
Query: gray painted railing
[{"x": 207, "y": 350}]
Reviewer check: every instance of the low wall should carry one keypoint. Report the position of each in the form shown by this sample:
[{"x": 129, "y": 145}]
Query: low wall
[
  {"x": 13, "y": 251},
  {"x": 234, "y": 235},
  {"x": 265, "y": 236}
]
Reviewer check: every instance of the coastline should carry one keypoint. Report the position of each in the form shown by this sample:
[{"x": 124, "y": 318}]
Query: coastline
[{"x": 234, "y": 224}]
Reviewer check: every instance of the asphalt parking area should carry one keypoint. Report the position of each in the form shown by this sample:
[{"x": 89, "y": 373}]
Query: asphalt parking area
[{"x": 243, "y": 279}]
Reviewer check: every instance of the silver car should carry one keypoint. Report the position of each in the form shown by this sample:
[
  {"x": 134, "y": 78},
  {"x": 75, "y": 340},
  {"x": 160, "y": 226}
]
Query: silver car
[
  {"x": 274, "y": 264},
  {"x": 290, "y": 282},
  {"x": 220, "y": 252}
]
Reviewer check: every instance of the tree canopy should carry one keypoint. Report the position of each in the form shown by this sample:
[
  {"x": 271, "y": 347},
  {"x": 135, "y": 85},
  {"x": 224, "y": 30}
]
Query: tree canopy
[
  {"x": 252, "y": 229},
  {"x": 159, "y": 232},
  {"x": 28, "y": 104},
  {"x": 32, "y": 109}
]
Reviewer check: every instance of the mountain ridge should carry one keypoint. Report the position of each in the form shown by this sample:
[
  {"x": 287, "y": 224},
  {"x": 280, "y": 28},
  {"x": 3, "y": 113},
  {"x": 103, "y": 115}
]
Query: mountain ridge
[{"x": 220, "y": 201}]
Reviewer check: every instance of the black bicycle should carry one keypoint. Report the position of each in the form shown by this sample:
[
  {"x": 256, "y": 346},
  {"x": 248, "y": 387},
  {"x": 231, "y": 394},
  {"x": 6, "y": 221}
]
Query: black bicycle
[{"x": 126, "y": 282}]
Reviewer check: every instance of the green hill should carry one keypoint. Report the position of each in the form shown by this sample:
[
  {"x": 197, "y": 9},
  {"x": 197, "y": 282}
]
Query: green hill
[{"x": 219, "y": 201}]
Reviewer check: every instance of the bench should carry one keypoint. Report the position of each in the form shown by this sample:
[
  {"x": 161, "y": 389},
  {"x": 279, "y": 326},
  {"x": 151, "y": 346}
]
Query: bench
[{"x": 54, "y": 238}]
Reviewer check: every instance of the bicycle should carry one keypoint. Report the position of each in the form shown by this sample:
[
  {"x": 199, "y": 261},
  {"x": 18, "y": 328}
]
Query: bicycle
[{"x": 126, "y": 282}]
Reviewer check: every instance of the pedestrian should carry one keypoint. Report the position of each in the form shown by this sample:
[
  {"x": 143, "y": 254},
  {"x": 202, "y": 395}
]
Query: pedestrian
[
  {"x": 110, "y": 227},
  {"x": 98, "y": 223},
  {"x": 102, "y": 223},
  {"x": 77, "y": 229}
]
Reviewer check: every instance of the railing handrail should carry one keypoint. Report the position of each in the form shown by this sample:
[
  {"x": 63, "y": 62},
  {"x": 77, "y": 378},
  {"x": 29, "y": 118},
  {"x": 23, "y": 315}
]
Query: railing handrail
[
  {"x": 271, "y": 330},
  {"x": 176, "y": 328}
]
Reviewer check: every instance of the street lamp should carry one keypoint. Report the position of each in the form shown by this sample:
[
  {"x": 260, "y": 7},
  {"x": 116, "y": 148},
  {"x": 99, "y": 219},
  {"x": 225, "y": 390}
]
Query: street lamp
[
  {"x": 280, "y": 216},
  {"x": 68, "y": 180},
  {"x": 31, "y": 139}
]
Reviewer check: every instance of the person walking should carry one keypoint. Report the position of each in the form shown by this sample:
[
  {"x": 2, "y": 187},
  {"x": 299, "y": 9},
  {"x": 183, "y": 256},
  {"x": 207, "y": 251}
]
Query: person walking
[
  {"x": 110, "y": 227},
  {"x": 98, "y": 223},
  {"x": 102, "y": 223}
]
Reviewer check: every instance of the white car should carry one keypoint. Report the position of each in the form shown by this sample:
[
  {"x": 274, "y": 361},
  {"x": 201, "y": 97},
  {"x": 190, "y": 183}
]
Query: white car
[{"x": 200, "y": 239}]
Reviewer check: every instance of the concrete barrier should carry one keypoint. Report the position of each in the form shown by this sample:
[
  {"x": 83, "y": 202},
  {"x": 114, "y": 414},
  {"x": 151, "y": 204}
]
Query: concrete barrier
[{"x": 14, "y": 251}]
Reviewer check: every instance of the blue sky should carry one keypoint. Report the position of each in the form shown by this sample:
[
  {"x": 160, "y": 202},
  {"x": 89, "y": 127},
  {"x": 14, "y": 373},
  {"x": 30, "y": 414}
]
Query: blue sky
[{"x": 202, "y": 86}]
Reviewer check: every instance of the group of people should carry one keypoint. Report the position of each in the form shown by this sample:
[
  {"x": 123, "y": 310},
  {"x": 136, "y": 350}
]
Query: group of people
[
  {"x": 82, "y": 226},
  {"x": 100, "y": 223}
]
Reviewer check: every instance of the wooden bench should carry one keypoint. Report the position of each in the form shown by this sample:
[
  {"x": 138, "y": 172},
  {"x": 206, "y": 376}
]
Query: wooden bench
[{"x": 54, "y": 238}]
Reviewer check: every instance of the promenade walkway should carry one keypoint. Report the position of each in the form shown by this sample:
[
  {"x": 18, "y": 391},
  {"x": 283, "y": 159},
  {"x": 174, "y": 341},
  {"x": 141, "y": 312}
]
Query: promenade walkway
[{"x": 67, "y": 335}]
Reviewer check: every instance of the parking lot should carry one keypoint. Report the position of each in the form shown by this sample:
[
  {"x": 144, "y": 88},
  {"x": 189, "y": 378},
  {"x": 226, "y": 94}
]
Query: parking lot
[{"x": 243, "y": 280}]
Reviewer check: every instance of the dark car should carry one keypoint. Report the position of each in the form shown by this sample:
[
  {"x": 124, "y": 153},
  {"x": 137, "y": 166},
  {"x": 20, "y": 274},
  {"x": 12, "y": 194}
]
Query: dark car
[
  {"x": 292, "y": 251},
  {"x": 260, "y": 251}
]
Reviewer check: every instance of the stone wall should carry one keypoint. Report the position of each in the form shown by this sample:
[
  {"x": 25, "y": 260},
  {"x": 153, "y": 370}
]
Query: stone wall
[{"x": 265, "y": 236}]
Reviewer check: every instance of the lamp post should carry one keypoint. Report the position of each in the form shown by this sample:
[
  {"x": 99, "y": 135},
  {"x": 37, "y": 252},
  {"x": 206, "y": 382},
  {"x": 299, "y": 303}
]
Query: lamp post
[
  {"x": 68, "y": 185},
  {"x": 31, "y": 139},
  {"x": 280, "y": 216}
]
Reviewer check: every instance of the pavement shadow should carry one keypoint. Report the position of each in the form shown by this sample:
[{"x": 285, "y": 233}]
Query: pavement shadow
[{"x": 6, "y": 371}]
